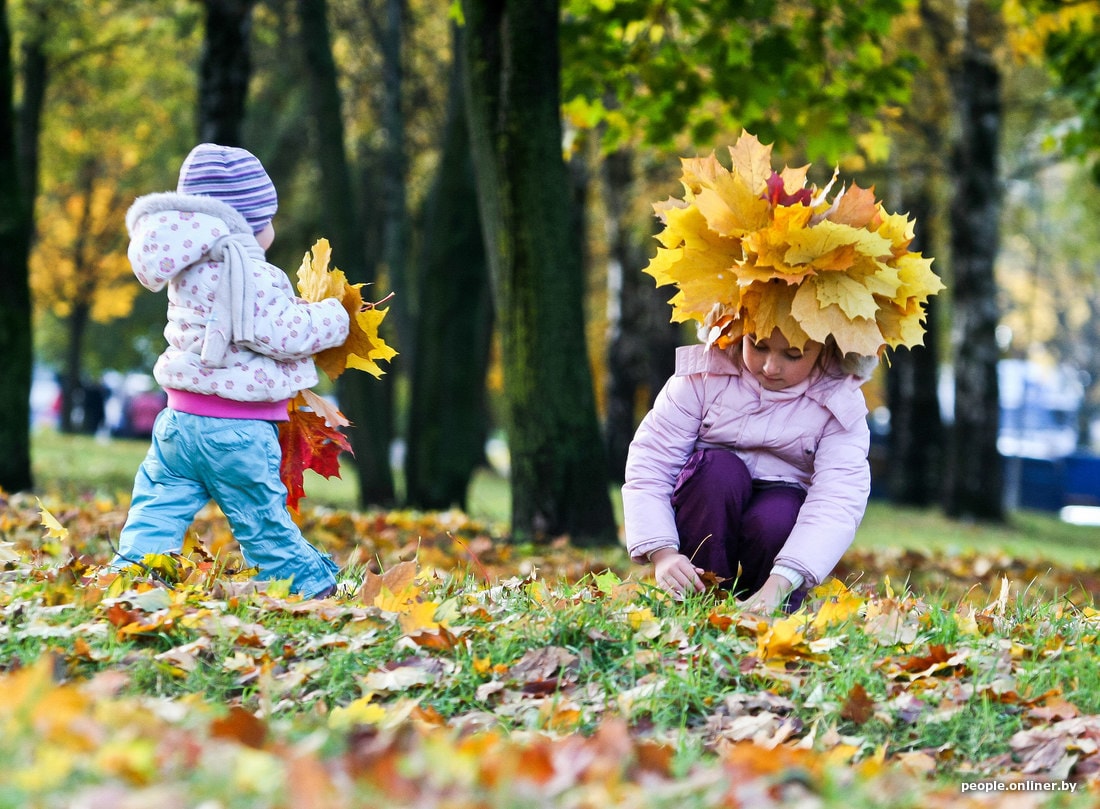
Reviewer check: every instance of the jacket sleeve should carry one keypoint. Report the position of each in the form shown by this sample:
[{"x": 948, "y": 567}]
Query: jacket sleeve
[
  {"x": 287, "y": 327},
  {"x": 835, "y": 502},
  {"x": 661, "y": 447}
]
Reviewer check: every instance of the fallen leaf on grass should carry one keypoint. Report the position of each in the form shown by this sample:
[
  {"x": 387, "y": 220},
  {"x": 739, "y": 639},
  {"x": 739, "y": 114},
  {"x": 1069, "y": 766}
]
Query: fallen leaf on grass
[
  {"x": 859, "y": 707},
  {"x": 242, "y": 726},
  {"x": 785, "y": 641},
  {"x": 399, "y": 581}
]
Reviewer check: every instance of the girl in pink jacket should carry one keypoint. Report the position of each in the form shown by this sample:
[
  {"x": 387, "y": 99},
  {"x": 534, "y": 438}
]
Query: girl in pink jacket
[{"x": 752, "y": 464}]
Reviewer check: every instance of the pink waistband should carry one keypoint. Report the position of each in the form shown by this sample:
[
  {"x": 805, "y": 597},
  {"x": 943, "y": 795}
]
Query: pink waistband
[{"x": 202, "y": 404}]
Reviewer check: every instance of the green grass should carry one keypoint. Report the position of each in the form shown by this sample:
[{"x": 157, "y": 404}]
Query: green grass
[
  {"x": 75, "y": 465},
  {"x": 1026, "y": 534},
  {"x": 540, "y": 652},
  {"x": 72, "y": 465}
]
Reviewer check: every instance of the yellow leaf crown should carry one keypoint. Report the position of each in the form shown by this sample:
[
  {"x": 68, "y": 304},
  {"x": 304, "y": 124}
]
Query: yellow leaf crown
[{"x": 751, "y": 250}]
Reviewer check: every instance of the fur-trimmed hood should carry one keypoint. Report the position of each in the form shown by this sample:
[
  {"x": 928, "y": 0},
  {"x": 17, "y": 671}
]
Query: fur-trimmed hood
[{"x": 173, "y": 201}]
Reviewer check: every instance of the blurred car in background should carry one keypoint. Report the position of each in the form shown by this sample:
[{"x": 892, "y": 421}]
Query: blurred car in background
[{"x": 133, "y": 405}]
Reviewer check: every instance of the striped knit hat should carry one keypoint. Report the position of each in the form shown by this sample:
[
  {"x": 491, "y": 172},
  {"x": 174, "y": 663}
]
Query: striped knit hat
[{"x": 234, "y": 176}]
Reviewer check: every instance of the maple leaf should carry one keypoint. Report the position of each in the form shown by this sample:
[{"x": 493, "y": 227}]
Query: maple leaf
[
  {"x": 395, "y": 590},
  {"x": 363, "y": 348},
  {"x": 241, "y": 726},
  {"x": 859, "y": 706},
  {"x": 856, "y": 207},
  {"x": 731, "y": 207},
  {"x": 315, "y": 281},
  {"x": 308, "y": 441},
  {"x": 783, "y": 641},
  {"x": 752, "y": 160},
  {"x": 777, "y": 192},
  {"x": 749, "y": 225},
  {"x": 360, "y": 712}
]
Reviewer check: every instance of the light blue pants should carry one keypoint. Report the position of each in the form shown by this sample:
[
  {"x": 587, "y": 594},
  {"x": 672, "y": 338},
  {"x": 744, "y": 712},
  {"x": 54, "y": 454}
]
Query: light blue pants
[{"x": 235, "y": 462}]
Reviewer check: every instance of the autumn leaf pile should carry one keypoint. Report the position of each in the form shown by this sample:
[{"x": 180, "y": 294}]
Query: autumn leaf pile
[
  {"x": 751, "y": 249},
  {"x": 312, "y": 436},
  {"x": 455, "y": 669}
]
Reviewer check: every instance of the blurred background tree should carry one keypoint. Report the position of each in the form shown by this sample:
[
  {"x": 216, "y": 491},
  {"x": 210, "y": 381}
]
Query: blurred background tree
[
  {"x": 16, "y": 225},
  {"x": 95, "y": 158}
]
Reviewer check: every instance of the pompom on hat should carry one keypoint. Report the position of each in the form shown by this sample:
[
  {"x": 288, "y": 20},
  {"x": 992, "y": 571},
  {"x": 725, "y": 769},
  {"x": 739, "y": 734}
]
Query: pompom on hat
[
  {"x": 750, "y": 250},
  {"x": 234, "y": 176}
]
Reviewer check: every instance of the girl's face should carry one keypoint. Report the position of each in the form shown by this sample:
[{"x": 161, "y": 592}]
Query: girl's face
[{"x": 775, "y": 364}]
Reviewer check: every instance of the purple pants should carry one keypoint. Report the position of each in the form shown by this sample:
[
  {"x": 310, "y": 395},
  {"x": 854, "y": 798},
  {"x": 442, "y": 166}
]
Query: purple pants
[{"x": 731, "y": 525}]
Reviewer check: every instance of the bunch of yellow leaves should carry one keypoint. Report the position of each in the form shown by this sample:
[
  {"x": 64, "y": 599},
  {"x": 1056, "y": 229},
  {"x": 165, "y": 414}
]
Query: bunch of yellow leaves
[
  {"x": 311, "y": 437},
  {"x": 364, "y": 347},
  {"x": 751, "y": 249}
]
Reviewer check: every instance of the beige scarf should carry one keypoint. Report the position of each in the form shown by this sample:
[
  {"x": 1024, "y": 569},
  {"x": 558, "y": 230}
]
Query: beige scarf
[{"x": 232, "y": 320}]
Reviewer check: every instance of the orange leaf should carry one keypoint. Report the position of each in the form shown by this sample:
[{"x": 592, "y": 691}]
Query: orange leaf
[
  {"x": 325, "y": 409},
  {"x": 241, "y": 726},
  {"x": 397, "y": 580}
]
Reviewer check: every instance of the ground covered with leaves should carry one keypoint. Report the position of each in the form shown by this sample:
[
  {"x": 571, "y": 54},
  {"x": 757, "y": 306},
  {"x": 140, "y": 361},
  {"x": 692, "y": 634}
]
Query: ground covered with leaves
[{"x": 455, "y": 669}]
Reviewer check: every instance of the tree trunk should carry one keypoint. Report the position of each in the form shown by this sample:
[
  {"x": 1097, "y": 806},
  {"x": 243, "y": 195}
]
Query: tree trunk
[
  {"x": 394, "y": 170},
  {"x": 35, "y": 75},
  {"x": 72, "y": 381},
  {"x": 448, "y": 415},
  {"x": 225, "y": 70},
  {"x": 16, "y": 222},
  {"x": 364, "y": 400},
  {"x": 73, "y": 389},
  {"x": 975, "y": 473},
  {"x": 558, "y": 464},
  {"x": 916, "y": 443},
  {"x": 643, "y": 340}
]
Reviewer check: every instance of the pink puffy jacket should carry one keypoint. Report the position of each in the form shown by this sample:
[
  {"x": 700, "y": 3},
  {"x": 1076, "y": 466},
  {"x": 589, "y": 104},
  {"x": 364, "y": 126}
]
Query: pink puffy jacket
[{"x": 813, "y": 435}]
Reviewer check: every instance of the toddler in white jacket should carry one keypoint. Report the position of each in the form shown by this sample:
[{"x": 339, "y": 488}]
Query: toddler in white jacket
[{"x": 240, "y": 346}]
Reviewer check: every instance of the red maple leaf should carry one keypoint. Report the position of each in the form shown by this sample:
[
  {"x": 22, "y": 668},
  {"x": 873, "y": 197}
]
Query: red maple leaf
[
  {"x": 777, "y": 193},
  {"x": 308, "y": 442}
]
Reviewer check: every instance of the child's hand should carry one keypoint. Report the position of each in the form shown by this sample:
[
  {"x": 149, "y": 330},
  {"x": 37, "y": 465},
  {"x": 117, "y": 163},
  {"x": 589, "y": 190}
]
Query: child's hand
[
  {"x": 768, "y": 598},
  {"x": 675, "y": 573}
]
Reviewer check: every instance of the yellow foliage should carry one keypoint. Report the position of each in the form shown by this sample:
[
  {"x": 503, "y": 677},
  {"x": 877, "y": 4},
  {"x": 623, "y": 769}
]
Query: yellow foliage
[
  {"x": 419, "y": 616},
  {"x": 784, "y": 641},
  {"x": 79, "y": 260},
  {"x": 1028, "y": 32},
  {"x": 838, "y": 606},
  {"x": 360, "y": 712},
  {"x": 315, "y": 281},
  {"x": 751, "y": 249},
  {"x": 363, "y": 348}
]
